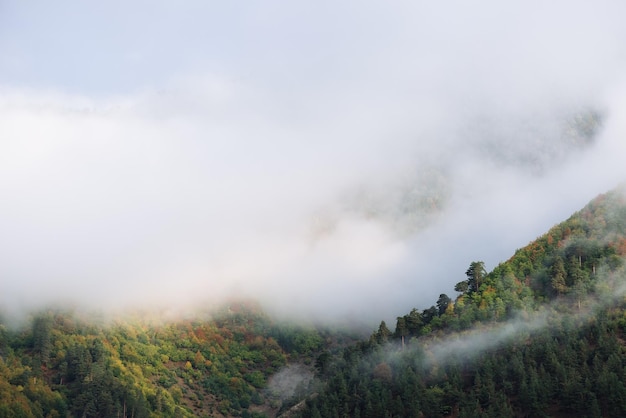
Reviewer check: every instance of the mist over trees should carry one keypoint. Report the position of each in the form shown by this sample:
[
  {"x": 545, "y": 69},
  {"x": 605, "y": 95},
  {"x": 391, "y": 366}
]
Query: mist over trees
[
  {"x": 358, "y": 164},
  {"x": 69, "y": 364},
  {"x": 539, "y": 335}
]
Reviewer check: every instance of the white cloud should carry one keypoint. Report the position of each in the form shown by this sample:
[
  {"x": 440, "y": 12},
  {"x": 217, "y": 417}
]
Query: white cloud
[{"x": 331, "y": 160}]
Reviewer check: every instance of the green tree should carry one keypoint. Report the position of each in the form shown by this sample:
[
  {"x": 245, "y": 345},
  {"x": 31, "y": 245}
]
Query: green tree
[
  {"x": 559, "y": 275},
  {"x": 42, "y": 337},
  {"x": 401, "y": 328},
  {"x": 475, "y": 275},
  {"x": 414, "y": 322},
  {"x": 442, "y": 303},
  {"x": 382, "y": 335},
  {"x": 461, "y": 287}
]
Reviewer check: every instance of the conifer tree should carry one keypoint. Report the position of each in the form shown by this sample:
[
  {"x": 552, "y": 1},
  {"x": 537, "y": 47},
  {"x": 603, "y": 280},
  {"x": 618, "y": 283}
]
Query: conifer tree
[{"x": 475, "y": 275}]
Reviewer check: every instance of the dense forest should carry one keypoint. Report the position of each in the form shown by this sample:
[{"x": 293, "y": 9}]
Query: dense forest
[
  {"x": 63, "y": 364},
  {"x": 542, "y": 334}
]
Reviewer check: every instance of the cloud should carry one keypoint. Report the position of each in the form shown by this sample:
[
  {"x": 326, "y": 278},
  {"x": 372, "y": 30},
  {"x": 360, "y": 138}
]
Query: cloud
[{"x": 353, "y": 171}]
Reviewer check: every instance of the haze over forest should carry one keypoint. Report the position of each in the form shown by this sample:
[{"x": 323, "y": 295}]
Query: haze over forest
[{"x": 295, "y": 153}]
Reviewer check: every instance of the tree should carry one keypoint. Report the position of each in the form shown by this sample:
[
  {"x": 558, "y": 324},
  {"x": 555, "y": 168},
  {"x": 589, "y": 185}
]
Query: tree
[
  {"x": 401, "y": 328},
  {"x": 461, "y": 287},
  {"x": 322, "y": 364},
  {"x": 576, "y": 273},
  {"x": 442, "y": 303},
  {"x": 382, "y": 371},
  {"x": 559, "y": 274},
  {"x": 42, "y": 337},
  {"x": 382, "y": 335},
  {"x": 475, "y": 275},
  {"x": 579, "y": 290},
  {"x": 429, "y": 314},
  {"x": 414, "y": 322}
]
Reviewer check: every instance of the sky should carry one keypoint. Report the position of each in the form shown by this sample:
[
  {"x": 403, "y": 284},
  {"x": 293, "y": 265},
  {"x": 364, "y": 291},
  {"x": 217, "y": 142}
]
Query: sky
[{"x": 331, "y": 159}]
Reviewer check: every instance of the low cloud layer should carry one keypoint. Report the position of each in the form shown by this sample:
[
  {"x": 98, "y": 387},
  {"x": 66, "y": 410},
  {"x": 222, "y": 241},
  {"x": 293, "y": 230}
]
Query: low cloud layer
[{"x": 332, "y": 162}]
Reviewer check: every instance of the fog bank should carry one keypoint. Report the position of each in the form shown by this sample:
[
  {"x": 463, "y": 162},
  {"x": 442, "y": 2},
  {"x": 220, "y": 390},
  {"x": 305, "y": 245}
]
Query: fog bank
[{"x": 331, "y": 160}]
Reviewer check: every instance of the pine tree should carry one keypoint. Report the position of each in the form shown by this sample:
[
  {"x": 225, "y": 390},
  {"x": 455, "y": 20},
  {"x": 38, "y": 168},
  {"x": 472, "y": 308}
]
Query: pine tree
[
  {"x": 559, "y": 276},
  {"x": 475, "y": 275}
]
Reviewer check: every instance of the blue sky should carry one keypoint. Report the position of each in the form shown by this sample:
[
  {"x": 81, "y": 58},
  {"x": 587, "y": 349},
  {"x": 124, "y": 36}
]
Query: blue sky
[
  {"x": 113, "y": 48},
  {"x": 165, "y": 153},
  {"x": 122, "y": 46}
]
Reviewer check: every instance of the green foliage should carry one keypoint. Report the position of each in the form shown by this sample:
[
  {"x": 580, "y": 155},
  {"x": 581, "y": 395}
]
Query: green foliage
[
  {"x": 61, "y": 365},
  {"x": 297, "y": 340},
  {"x": 475, "y": 276},
  {"x": 574, "y": 366}
]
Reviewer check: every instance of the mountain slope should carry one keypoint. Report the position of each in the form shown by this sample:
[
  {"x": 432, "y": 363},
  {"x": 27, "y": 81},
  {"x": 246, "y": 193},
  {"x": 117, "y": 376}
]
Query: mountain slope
[
  {"x": 62, "y": 364},
  {"x": 543, "y": 334}
]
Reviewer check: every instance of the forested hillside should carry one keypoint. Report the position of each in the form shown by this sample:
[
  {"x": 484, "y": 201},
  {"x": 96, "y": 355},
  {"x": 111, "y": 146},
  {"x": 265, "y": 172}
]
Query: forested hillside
[
  {"x": 62, "y": 364},
  {"x": 543, "y": 334}
]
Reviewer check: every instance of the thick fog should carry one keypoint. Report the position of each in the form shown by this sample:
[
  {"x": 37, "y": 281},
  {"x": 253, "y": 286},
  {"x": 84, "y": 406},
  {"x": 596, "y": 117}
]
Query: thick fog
[{"x": 334, "y": 160}]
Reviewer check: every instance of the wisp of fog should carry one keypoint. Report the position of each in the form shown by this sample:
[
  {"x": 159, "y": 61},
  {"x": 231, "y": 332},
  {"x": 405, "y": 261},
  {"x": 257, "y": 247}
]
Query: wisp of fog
[
  {"x": 332, "y": 160},
  {"x": 471, "y": 344}
]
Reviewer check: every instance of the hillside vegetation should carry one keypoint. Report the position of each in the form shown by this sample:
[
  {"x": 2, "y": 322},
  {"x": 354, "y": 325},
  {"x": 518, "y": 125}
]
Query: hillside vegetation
[
  {"x": 62, "y": 365},
  {"x": 542, "y": 334}
]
